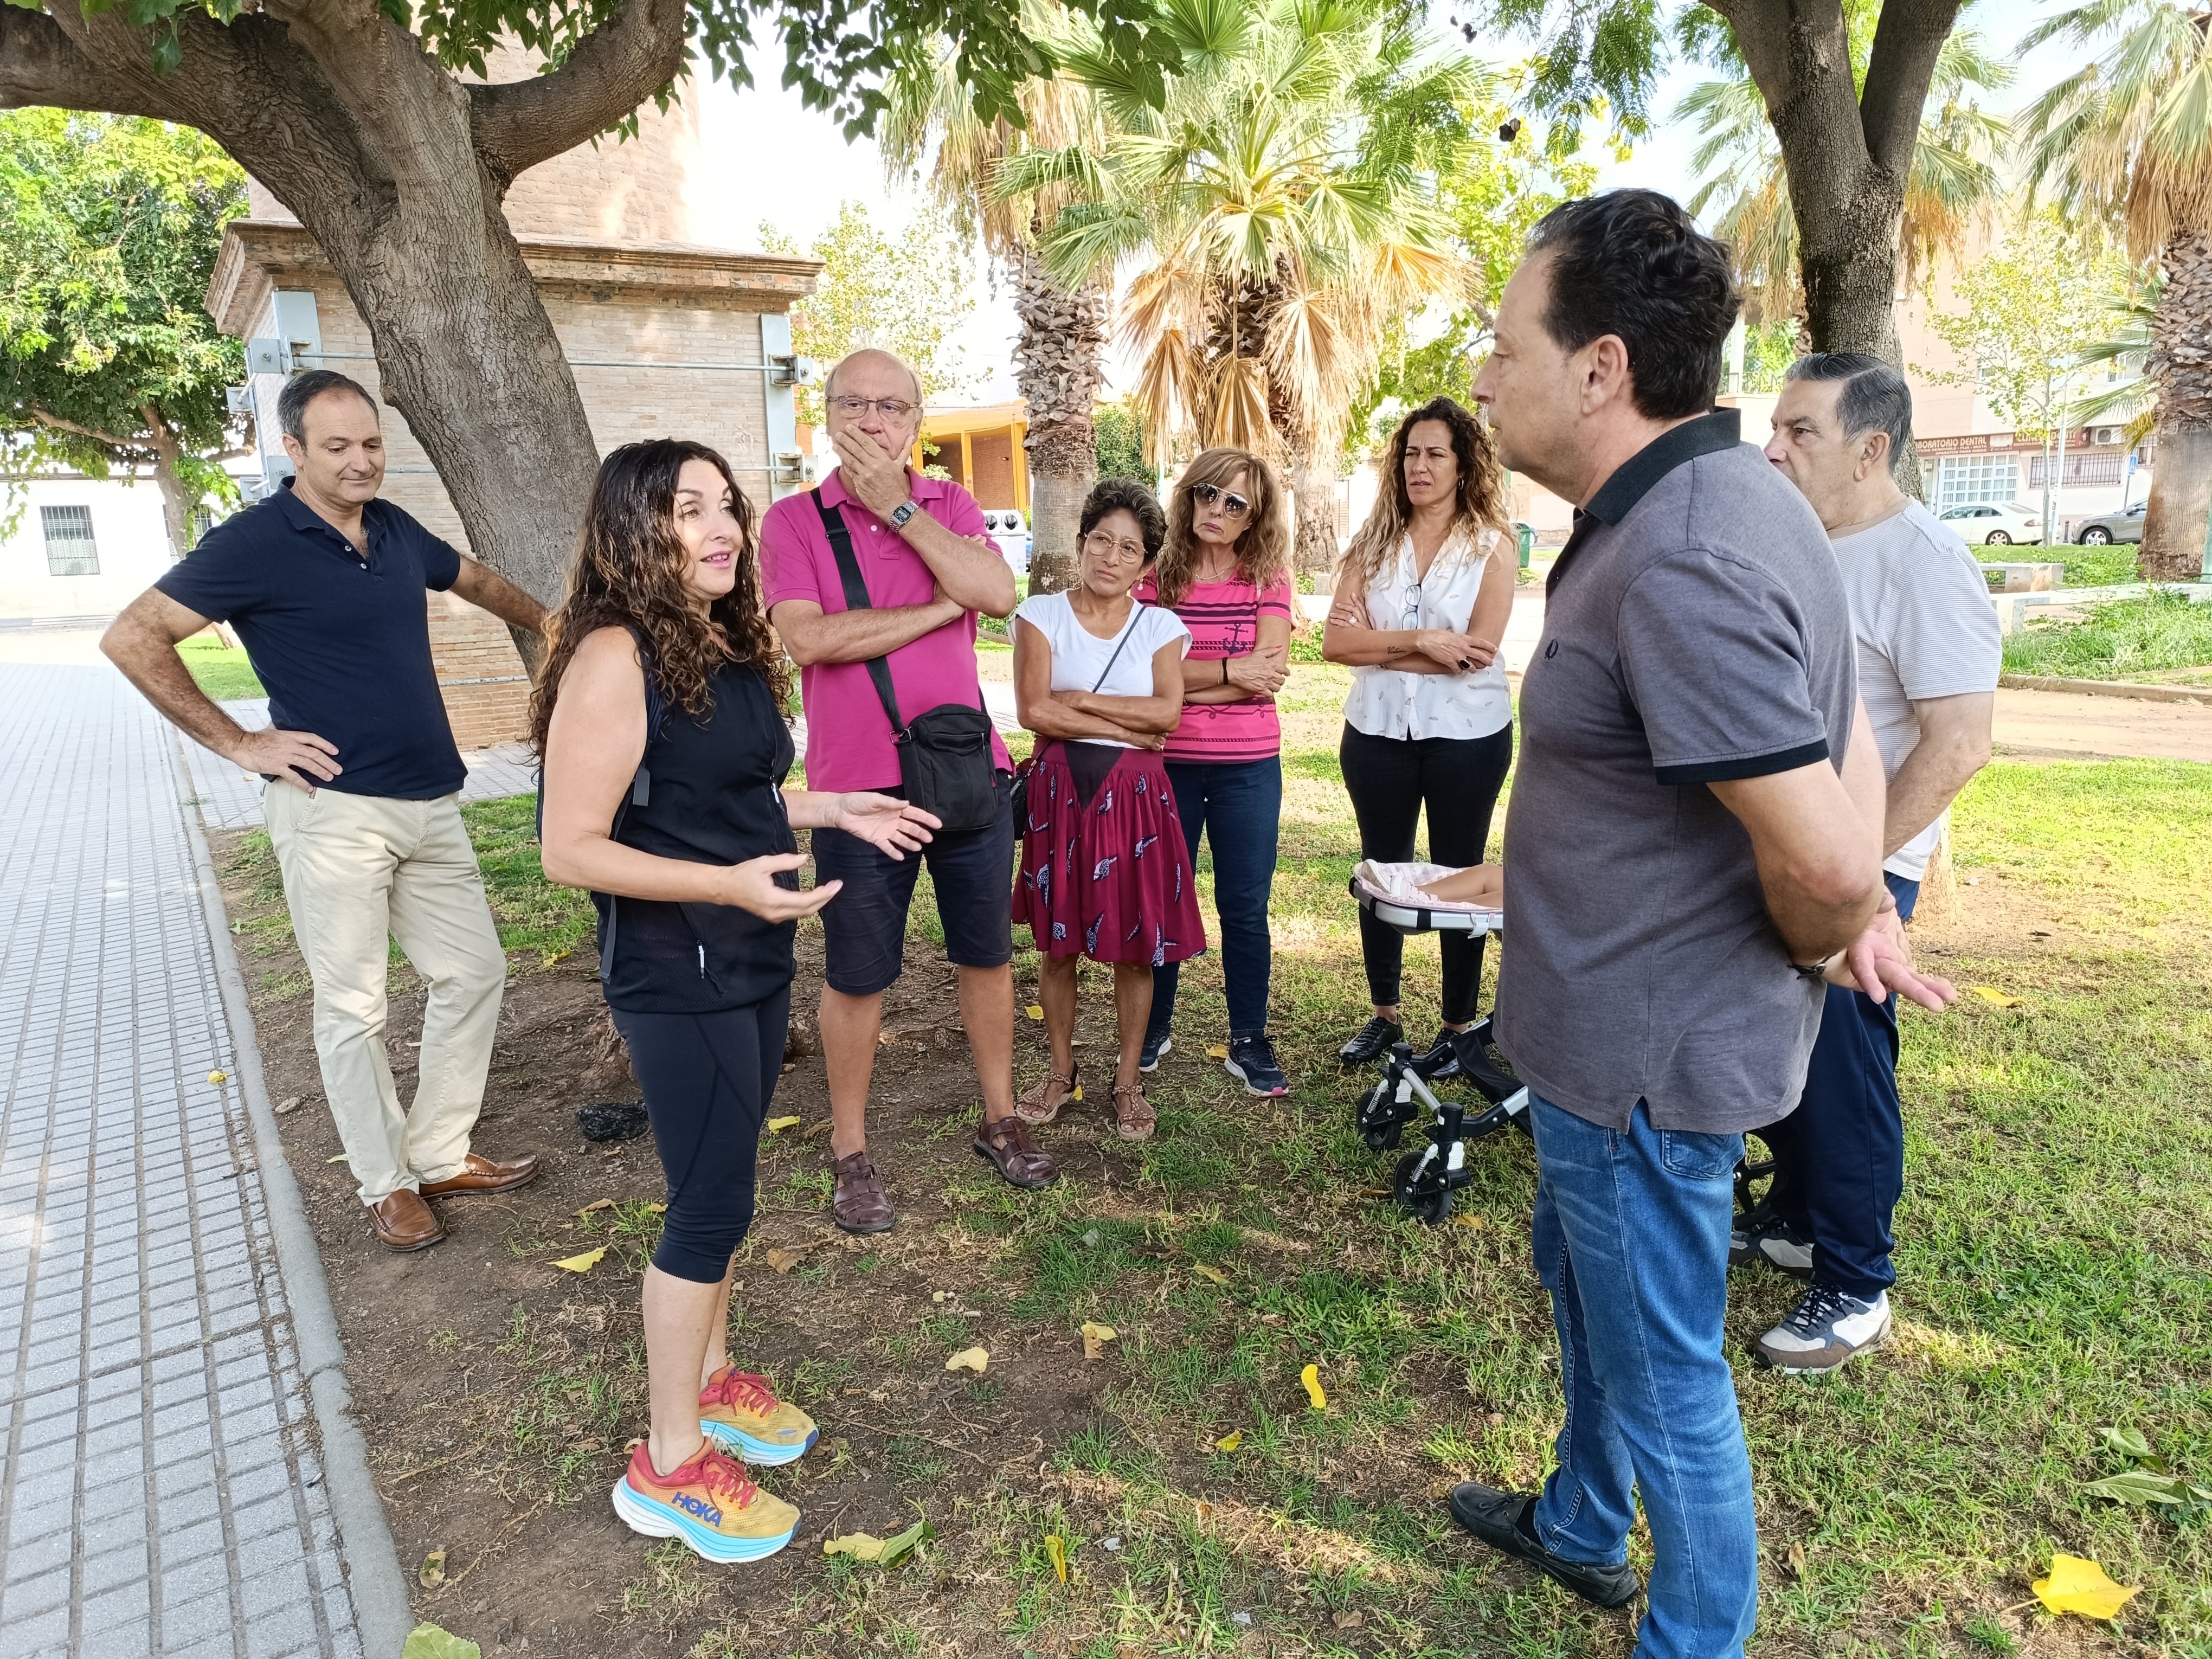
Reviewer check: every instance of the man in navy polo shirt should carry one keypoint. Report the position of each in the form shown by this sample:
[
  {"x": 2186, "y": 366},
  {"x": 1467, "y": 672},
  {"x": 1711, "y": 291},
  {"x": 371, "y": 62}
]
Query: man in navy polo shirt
[{"x": 325, "y": 584}]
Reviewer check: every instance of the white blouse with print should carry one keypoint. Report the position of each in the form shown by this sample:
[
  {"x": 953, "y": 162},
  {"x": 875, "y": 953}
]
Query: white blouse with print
[{"x": 1389, "y": 702}]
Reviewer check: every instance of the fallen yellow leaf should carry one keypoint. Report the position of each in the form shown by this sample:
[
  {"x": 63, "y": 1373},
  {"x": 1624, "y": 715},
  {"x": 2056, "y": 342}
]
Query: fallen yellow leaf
[
  {"x": 1466, "y": 1221},
  {"x": 1312, "y": 1377},
  {"x": 782, "y": 1260},
  {"x": 1077, "y": 1095},
  {"x": 2080, "y": 1586},
  {"x": 1990, "y": 994},
  {"x": 1212, "y": 1274},
  {"x": 1035, "y": 1011},
  {"x": 656, "y": 1207},
  {"x": 432, "y": 1573},
  {"x": 860, "y": 1546},
  {"x": 1231, "y": 1441},
  {"x": 1095, "y": 1339},
  {"x": 581, "y": 1264},
  {"x": 776, "y": 1125},
  {"x": 595, "y": 1204},
  {"x": 969, "y": 1359},
  {"x": 1219, "y": 1051},
  {"x": 1055, "y": 1550},
  {"x": 552, "y": 957},
  {"x": 218, "y": 1077}
]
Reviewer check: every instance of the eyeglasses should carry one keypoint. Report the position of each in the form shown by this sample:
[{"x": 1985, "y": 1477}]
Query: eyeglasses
[
  {"x": 1100, "y": 545},
  {"x": 1412, "y": 600},
  {"x": 892, "y": 409},
  {"x": 1233, "y": 506}
]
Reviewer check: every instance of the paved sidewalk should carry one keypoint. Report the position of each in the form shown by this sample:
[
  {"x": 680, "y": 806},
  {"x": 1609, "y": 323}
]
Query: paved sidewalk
[{"x": 163, "y": 1482}]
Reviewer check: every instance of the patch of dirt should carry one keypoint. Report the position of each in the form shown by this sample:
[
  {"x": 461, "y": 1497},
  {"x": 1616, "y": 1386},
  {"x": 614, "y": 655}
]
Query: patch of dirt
[{"x": 498, "y": 1394}]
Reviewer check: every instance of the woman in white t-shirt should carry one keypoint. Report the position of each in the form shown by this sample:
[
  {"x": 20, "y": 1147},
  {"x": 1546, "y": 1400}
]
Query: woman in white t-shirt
[
  {"x": 1105, "y": 873},
  {"x": 1422, "y": 600}
]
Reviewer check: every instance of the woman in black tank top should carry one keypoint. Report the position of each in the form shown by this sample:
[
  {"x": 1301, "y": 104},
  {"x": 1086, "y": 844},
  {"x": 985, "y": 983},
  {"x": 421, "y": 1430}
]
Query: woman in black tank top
[{"x": 659, "y": 714}]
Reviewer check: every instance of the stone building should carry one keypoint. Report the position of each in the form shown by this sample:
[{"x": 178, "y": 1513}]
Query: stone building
[{"x": 667, "y": 333}]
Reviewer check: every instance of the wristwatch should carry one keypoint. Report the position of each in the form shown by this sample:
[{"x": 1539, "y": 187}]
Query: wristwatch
[{"x": 905, "y": 510}]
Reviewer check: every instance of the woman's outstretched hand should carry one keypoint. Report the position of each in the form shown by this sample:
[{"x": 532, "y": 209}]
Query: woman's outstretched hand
[
  {"x": 884, "y": 822},
  {"x": 751, "y": 886}
]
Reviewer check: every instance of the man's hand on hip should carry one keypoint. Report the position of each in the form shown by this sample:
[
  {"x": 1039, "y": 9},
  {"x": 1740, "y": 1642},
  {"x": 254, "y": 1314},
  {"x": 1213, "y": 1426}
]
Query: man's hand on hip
[
  {"x": 285, "y": 755},
  {"x": 879, "y": 482}
]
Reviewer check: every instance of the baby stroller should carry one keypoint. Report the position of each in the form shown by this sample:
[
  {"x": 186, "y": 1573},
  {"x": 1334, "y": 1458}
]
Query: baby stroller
[{"x": 1426, "y": 1179}]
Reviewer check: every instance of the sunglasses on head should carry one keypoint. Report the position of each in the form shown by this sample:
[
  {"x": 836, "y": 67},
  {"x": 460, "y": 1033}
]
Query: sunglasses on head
[{"x": 1232, "y": 505}]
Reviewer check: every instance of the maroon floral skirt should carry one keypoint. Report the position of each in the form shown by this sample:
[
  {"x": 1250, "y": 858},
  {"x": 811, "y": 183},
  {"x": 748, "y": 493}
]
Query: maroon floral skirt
[{"x": 1105, "y": 873}]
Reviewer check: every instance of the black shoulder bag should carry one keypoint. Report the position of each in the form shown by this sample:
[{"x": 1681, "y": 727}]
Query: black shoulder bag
[{"x": 945, "y": 752}]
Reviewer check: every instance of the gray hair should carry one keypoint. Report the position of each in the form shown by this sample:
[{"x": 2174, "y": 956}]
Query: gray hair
[
  {"x": 830, "y": 381},
  {"x": 1875, "y": 396},
  {"x": 303, "y": 389}
]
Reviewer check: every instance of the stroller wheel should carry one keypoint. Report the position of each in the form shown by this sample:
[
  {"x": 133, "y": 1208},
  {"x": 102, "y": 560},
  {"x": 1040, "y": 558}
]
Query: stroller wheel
[
  {"x": 1422, "y": 1189},
  {"x": 1379, "y": 1126},
  {"x": 1383, "y": 1138}
]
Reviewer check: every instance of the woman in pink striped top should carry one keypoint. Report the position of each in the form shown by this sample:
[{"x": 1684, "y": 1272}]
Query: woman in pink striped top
[{"x": 1225, "y": 572}]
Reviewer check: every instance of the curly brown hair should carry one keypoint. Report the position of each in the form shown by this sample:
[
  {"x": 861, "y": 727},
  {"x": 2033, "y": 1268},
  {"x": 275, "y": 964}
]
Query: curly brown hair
[
  {"x": 1481, "y": 503},
  {"x": 628, "y": 573},
  {"x": 1263, "y": 551}
]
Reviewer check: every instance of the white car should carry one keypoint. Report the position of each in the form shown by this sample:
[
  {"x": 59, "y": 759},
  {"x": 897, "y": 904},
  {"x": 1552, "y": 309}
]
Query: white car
[
  {"x": 1004, "y": 525},
  {"x": 1995, "y": 523}
]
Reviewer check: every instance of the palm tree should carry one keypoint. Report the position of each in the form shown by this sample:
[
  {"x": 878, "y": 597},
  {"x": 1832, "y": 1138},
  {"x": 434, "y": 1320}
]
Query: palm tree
[
  {"x": 1283, "y": 200},
  {"x": 2129, "y": 139},
  {"x": 1953, "y": 184},
  {"x": 1060, "y": 351}
]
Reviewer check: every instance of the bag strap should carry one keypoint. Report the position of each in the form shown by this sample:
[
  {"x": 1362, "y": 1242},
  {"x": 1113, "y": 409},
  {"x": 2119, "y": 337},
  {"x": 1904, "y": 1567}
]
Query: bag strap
[
  {"x": 1134, "y": 616},
  {"x": 856, "y": 598}
]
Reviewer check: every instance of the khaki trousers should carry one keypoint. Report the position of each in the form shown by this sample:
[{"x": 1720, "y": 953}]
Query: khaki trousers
[{"x": 359, "y": 869}]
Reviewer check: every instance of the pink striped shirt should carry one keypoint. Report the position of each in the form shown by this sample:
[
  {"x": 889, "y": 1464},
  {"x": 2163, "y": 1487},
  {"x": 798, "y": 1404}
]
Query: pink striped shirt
[{"x": 1224, "y": 619}]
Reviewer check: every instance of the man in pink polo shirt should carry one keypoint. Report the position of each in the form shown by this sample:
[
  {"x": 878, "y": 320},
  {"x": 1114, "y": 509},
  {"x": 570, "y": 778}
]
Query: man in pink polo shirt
[{"x": 929, "y": 569}]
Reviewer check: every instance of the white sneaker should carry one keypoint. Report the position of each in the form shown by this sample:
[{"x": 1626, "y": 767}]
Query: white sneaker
[
  {"x": 1774, "y": 1245},
  {"x": 1825, "y": 1328}
]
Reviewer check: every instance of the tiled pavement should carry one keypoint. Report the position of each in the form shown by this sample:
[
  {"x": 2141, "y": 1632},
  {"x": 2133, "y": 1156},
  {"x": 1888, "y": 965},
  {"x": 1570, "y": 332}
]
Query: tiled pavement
[{"x": 162, "y": 1484}]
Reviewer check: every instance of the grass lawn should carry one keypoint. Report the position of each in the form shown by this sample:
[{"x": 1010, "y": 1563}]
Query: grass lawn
[
  {"x": 2161, "y": 635},
  {"x": 2054, "y": 1255},
  {"x": 2085, "y": 567},
  {"x": 222, "y": 673}
]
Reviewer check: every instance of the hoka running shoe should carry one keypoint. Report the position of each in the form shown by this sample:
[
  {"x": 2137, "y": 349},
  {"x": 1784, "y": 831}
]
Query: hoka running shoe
[
  {"x": 739, "y": 1415},
  {"x": 708, "y": 1503}
]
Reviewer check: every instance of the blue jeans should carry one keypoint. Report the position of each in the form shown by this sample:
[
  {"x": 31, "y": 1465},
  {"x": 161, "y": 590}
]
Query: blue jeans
[
  {"x": 1631, "y": 1239},
  {"x": 1839, "y": 1157},
  {"x": 1239, "y": 808}
]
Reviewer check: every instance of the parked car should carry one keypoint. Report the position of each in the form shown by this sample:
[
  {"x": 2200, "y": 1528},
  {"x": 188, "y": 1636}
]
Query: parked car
[
  {"x": 1997, "y": 524},
  {"x": 1004, "y": 527},
  {"x": 2125, "y": 526}
]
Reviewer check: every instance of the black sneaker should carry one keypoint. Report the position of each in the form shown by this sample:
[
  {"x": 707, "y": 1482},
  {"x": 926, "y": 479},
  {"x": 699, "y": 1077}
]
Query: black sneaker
[
  {"x": 1373, "y": 1041},
  {"x": 1506, "y": 1522},
  {"x": 1440, "y": 1062},
  {"x": 1148, "y": 1056},
  {"x": 1253, "y": 1059}
]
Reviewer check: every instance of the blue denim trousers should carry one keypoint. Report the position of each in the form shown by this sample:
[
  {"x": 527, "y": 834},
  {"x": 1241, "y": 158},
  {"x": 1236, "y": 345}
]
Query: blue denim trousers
[
  {"x": 1631, "y": 1239},
  {"x": 1238, "y": 807},
  {"x": 1839, "y": 1157}
]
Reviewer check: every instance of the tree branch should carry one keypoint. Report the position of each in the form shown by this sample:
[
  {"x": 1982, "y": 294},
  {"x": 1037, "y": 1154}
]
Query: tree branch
[
  {"x": 97, "y": 437},
  {"x": 1906, "y": 43},
  {"x": 40, "y": 64},
  {"x": 613, "y": 70}
]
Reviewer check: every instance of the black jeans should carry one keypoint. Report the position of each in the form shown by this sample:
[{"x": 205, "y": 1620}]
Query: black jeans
[
  {"x": 1839, "y": 1157},
  {"x": 708, "y": 1080},
  {"x": 1390, "y": 779}
]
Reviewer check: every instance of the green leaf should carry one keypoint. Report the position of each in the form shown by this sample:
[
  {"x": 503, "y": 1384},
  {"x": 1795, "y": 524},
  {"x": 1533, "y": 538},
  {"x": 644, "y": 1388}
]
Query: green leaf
[
  {"x": 427, "y": 1641},
  {"x": 896, "y": 1549},
  {"x": 2131, "y": 1442},
  {"x": 2141, "y": 1487}
]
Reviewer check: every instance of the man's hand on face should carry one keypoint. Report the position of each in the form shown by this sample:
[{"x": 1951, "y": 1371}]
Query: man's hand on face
[{"x": 879, "y": 482}]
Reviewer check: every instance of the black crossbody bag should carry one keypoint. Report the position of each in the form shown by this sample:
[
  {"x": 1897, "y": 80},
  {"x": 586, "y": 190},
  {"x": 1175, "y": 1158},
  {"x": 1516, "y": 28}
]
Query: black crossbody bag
[{"x": 945, "y": 752}]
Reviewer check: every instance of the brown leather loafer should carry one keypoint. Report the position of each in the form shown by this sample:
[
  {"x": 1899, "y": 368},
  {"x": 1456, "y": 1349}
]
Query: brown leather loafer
[
  {"x": 859, "y": 1200},
  {"x": 1005, "y": 1142},
  {"x": 403, "y": 1222},
  {"x": 479, "y": 1174}
]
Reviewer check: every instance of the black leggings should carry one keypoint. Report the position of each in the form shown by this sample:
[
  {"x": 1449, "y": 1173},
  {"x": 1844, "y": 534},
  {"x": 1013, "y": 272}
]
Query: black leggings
[
  {"x": 1389, "y": 779},
  {"x": 708, "y": 1080}
]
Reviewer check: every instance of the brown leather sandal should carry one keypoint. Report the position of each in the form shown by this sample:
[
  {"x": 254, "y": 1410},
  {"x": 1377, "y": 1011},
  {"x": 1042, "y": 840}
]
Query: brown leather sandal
[
  {"x": 1039, "y": 1103},
  {"x": 858, "y": 1198},
  {"x": 1005, "y": 1142},
  {"x": 1133, "y": 1117}
]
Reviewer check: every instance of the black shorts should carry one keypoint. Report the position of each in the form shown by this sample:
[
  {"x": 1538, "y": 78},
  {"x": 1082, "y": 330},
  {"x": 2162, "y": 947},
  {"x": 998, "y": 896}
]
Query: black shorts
[{"x": 864, "y": 928}]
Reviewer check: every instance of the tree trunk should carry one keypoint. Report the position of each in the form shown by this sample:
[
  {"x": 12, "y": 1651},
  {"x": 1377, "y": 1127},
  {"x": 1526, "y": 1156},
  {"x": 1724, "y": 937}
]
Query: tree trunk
[
  {"x": 2174, "y": 544},
  {"x": 1058, "y": 360},
  {"x": 1313, "y": 543},
  {"x": 177, "y": 504}
]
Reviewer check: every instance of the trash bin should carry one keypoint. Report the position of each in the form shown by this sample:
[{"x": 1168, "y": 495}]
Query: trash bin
[{"x": 1527, "y": 537}]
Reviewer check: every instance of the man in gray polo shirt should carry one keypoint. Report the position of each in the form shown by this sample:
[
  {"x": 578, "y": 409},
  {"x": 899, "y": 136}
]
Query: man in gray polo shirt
[{"x": 1694, "y": 842}]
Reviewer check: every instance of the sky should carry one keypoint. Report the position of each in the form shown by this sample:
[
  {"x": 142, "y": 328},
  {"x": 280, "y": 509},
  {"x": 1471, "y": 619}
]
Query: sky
[{"x": 809, "y": 169}]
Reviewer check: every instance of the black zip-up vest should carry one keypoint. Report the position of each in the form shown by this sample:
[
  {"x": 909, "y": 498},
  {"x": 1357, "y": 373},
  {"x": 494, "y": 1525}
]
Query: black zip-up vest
[{"x": 708, "y": 793}]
